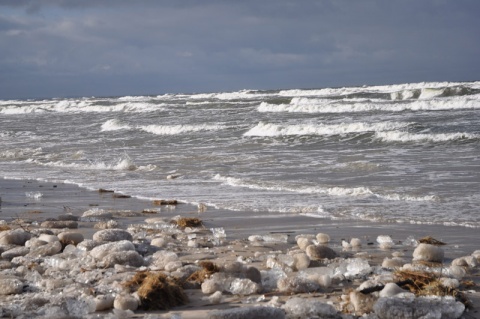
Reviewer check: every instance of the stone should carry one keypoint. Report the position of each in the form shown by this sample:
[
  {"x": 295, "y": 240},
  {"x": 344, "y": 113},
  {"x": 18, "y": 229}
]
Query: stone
[
  {"x": 392, "y": 263},
  {"x": 309, "y": 308},
  {"x": 104, "y": 302},
  {"x": 385, "y": 241},
  {"x": 416, "y": 308},
  {"x": 243, "y": 287},
  {"x": 161, "y": 258},
  {"x": 253, "y": 274},
  {"x": 303, "y": 243},
  {"x": 302, "y": 261},
  {"x": 14, "y": 237},
  {"x": 362, "y": 303},
  {"x": 48, "y": 238},
  {"x": 34, "y": 242},
  {"x": 70, "y": 238},
  {"x": 15, "y": 252},
  {"x": 356, "y": 242},
  {"x": 248, "y": 313},
  {"x": 112, "y": 235},
  {"x": 159, "y": 242},
  {"x": 59, "y": 224},
  {"x": 125, "y": 302},
  {"x": 128, "y": 258},
  {"x": 323, "y": 238},
  {"x": 320, "y": 252},
  {"x": 297, "y": 284},
  {"x": 427, "y": 252},
  {"x": 101, "y": 251},
  {"x": 216, "y": 298},
  {"x": 391, "y": 289},
  {"x": 10, "y": 286},
  {"x": 48, "y": 249}
]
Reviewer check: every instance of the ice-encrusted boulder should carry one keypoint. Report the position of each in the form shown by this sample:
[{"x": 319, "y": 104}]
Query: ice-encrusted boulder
[
  {"x": 416, "y": 308},
  {"x": 161, "y": 258},
  {"x": 10, "y": 285},
  {"x": 130, "y": 258},
  {"x": 309, "y": 308},
  {"x": 101, "y": 251},
  {"x": 72, "y": 238},
  {"x": 112, "y": 235},
  {"x": 59, "y": 224},
  {"x": 125, "y": 302},
  {"x": 48, "y": 249},
  {"x": 323, "y": 238},
  {"x": 392, "y": 289},
  {"x": 385, "y": 241},
  {"x": 14, "y": 237},
  {"x": 104, "y": 302},
  {"x": 15, "y": 252},
  {"x": 320, "y": 252},
  {"x": 304, "y": 242},
  {"x": 427, "y": 252},
  {"x": 248, "y": 313},
  {"x": 301, "y": 261}
]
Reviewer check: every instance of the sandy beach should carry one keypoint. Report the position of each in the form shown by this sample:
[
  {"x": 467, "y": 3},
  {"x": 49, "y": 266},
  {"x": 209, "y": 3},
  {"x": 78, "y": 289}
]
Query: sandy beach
[{"x": 252, "y": 239}]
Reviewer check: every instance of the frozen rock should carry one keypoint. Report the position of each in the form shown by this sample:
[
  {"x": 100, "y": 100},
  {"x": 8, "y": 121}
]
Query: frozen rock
[
  {"x": 15, "y": 252},
  {"x": 410, "y": 241},
  {"x": 392, "y": 263},
  {"x": 216, "y": 282},
  {"x": 346, "y": 245},
  {"x": 161, "y": 258},
  {"x": 416, "y": 308},
  {"x": 323, "y": 238},
  {"x": 271, "y": 277},
  {"x": 450, "y": 282},
  {"x": 457, "y": 272},
  {"x": 48, "y": 238},
  {"x": 68, "y": 217},
  {"x": 248, "y": 313},
  {"x": 10, "y": 286},
  {"x": 158, "y": 242},
  {"x": 14, "y": 237},
  {"x": 48, "y": 249},
  {"x": 72, "y": 238},
  {"x": 103, "y": 302},
  {"x": 101, "y": 251},
  {"x": 353, "y": 267},
  {"x": 320, "y": 252},
  {"x": 297, "y": 284},
  {"x": 427, "y": 252},
  {"x": 303, "y": 242},
  {"x": 244, "y": 287},
  {"x": 59, "y": 224},
  {"x": 362, "y": 303},
  {"x": 173, "y": 265},
  {"x": 391, "y": 289},
  {"x": 125, "y": 302},
  {"x": 385, "y": 241},
  {"x": 216, "y": 297},
  {"x": 476, "y": 255},
  {"x": 96, "y": 212},
  {"x": 275, "y": 238},
  {"x": 254, "y": 238},
  {"x": 467, "y": 261},
  {"x": 356, "y": 242},
  {"x": 34, "y": 242},
  {"x": 233, "y": 267},
  {"x": 301, "y": 261},
  {"x": 253, "y": 274},
  {"x": 129, "y": 258},
  {"x": 309, "y": 308},
  {"x": 79, "y": 307},
  {"x": 112, "y": 235}
]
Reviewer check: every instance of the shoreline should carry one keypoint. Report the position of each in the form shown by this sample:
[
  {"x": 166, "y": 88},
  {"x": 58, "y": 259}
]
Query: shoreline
[{"x": 59, "y": 199}]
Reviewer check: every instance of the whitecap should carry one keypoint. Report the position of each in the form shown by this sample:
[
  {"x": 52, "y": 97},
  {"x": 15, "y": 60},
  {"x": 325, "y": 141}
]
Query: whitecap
[
  {"x": 114, "y": 125},
  {"x": 179, "y": 129}
]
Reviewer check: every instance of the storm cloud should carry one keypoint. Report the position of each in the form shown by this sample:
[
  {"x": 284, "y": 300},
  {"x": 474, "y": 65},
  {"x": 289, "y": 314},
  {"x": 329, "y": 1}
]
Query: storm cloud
[{"x": 81, "y": 48}]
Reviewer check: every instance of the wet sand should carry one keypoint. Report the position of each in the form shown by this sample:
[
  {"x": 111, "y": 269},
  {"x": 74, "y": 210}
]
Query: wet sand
[{"x": 20, "y": 199}]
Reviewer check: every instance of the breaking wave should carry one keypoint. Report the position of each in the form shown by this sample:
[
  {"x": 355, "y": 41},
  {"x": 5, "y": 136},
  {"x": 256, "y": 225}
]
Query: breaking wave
[
  {"x": 268, "y": 129},
  {"x": 413, "y": 137},
  {"x": 179, "y": 129},
  {"x": 114, "y": 125},
  {"x": 122, "y": 164}
]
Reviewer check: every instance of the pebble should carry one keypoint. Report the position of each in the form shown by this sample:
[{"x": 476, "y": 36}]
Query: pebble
[
  {"x": 112, "y": 235},
  {"x": 72, "y": 238},
  {"x": 323, "y": 238},
  {"x": 125, "y": 302},
  {"x": 101, "y": 251},
  {"x": 320, "y": 252},
  {"x": 10, "y": 286},
  {"x": 15, "y": 252},
  {"x": 14, "y": 237}
]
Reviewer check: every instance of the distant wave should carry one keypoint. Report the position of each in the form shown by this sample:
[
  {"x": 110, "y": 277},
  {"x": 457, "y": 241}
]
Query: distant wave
[
  {"x": 331, "y": 191},
  {"x": 313, "y": 105},
  {"x": 114, "y": 125},
  {"x": 19, "y": 153},
  {"x": 395, "y": 136},
  {"x": 179, "y": 129},
  {"x": 268, "y": 129}
]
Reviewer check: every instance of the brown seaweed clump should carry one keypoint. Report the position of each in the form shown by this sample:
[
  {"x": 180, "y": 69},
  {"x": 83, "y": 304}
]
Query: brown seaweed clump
[
  {"x": 208, "y": 269},
  {"x": 157, "y": 291},
  {"x": 432, "y": 241},
  {"x": 188, "y": 222}
]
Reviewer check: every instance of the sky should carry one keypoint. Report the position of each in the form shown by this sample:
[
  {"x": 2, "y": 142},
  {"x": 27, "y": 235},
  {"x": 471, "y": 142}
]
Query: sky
[{"x": 73, "y": 48}]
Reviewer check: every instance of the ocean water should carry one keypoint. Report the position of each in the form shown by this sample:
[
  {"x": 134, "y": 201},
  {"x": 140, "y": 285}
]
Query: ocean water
[{"x": 405, "y": 153}]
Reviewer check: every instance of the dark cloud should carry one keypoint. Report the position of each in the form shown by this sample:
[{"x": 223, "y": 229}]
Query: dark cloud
[{"x": 60, "y": 47}]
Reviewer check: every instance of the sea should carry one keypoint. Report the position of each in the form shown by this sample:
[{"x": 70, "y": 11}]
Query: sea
[{"x": 403, "y": 153}]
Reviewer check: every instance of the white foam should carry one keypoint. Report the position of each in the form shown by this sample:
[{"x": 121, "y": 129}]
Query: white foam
[
  {"x": 269, "y": 129},
  {"x": 19, "y": 153},
  {"x": 238, "y": 95},
  {"x": 395, "y": 136},
  {"x": 124, "y": 163},
  {"x": 114, "y": 125},
  {"x": 179, "y": 129}
]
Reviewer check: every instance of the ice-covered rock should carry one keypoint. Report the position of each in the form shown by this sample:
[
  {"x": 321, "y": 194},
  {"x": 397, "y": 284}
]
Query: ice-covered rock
[
  {"x": 456, "y": 272},
  {"x": 356, "y": 242},
  {"x": 59, "y": 224},
  {"x": 427, "y": 252},
  {"x": 49, "y": 249},
  {"x": 73, "y": 238},
  {"x": 301, "y": 261},
  {"x": 476, "y": 255},
  {"x": 216, "y": 297},
  {"x": 97, "y": 212},
  {"x": 466, "y": 261},
  {"x": 104, "y": 302},
  {"x": 14, "y": 237},
  {"x": 449, "y": 282},
  {"x": 391, "y": 289},
  {"x": 353, "y": 267},
  {"x": 48, "y": 238},
  {"x": 15, "y": 252},
  {"x": 34, "y": 242},
  {"x": 243, "y": 287},
  {"x": 10, "y": 285},
  {"x": 217, "y": 282},
  {"x": 416, "y": 308},
  {"x": 112, "y": 235},
  {"x": 101, "y": 251},
  {"x": 309, "y": 308},
  {"x": 323, "y": 238},
  {"x": 362, "y": 303},
  {"x": 392, "y": 263},
  {"x": 129, "y": 258},
  {"x": 253, "y": 274},
  {"x": 297, "y": 284},
  {"x": 271, "y": 277},
  {"x": 303, "y": 242},
  {"x": 248, "y": 313},
  {"x": 385, "y": 242},
  {"x": 320, "y": 252},
  {"x": 233, "y": 267},
  {"x": 173, "y": 265},
  {"x": 125, "y": 302},
  {"x": 162, "y": 257},
  {"x": 158, "y": 242}
]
